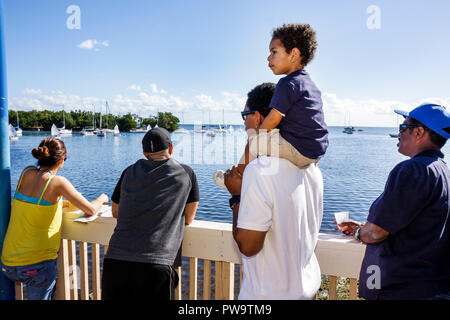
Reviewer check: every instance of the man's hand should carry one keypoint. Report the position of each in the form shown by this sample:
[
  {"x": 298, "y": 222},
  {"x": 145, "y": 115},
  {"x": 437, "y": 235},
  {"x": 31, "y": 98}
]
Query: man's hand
[
  {"x": 233, "y": 181},
  {"x": 348, "y": 227},
  {"x": 370, "y": 233}
]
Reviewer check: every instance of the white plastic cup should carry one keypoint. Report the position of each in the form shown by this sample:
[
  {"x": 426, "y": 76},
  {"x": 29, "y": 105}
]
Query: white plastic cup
[{"x": 341, "y": 217}]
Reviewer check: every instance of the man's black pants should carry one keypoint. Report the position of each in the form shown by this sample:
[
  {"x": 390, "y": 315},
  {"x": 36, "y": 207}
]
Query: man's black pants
[{"x": 137, "y": 280}]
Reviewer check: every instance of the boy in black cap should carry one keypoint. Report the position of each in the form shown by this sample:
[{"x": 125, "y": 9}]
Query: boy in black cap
[{"x": 153, "y": 200}]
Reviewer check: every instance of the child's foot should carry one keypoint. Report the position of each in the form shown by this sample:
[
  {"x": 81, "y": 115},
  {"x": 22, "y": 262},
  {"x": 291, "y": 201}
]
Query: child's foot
[{"x": 219, "y": 179}]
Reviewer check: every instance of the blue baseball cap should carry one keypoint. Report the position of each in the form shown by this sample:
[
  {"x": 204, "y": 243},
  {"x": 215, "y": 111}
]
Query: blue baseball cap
[{"x": 434, "y": 116}]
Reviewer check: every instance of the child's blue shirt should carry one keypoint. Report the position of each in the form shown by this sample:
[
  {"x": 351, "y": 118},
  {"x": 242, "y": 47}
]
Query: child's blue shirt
[{"x": 303, "y": 124}]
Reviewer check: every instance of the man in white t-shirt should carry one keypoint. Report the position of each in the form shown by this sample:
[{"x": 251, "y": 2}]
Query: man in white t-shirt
[{"x": 277, "y": 212}]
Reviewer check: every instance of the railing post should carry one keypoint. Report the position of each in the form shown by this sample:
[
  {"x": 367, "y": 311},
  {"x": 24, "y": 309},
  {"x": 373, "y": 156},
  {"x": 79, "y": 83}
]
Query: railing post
[
  {"x": 224, "y": 280},
  {"x": 62, "y": 283},
  {"x": 353, "y": 289},
  {"x": 332, "y": 287},
  {"x": 96, "y": 290},
  {"x": 7, "y": 291},
  {"x": 206, "y": 279},
  {"x": 178, "y": 288},
  {"x": 193, "y": 266},
  {"x": 84, "y": 270}
]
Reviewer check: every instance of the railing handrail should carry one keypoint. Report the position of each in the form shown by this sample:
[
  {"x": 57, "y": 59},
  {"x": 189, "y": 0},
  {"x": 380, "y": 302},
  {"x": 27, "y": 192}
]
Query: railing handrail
[{"x": 338, "y": 255}]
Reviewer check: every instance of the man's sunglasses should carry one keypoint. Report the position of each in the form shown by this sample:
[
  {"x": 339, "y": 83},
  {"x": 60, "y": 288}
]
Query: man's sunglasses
[
  {"x": 245, "y": 113},
  {"x": 405, "y": 126}
]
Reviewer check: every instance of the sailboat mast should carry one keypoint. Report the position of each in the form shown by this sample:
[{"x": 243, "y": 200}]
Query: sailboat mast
[{"x": 107, "y": 110}]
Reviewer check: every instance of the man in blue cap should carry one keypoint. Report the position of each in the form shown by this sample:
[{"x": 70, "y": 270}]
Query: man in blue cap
[{"x": 408, "y": 227}]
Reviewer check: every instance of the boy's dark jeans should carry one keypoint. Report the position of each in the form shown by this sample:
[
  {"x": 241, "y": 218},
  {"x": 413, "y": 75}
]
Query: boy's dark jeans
[{"x": 127, "y": 280}]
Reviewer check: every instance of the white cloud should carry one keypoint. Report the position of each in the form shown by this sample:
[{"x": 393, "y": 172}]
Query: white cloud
[
  {"x": 93, "y": 44},
  {"x": 135, "y": 87},
  {"x": 368, "y": 112},
  {"x": 31, "y": 92},
  {"x": 155, "y": 89},
  {"x": 225, "y": 107}
]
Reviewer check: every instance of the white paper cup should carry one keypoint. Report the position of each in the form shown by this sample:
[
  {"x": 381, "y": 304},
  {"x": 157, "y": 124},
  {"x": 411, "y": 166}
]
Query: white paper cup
[{"x": 341, "y": 217}]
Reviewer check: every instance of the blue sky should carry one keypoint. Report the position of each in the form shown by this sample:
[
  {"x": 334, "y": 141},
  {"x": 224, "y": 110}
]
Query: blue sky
[{"x": 202, "y": 57}]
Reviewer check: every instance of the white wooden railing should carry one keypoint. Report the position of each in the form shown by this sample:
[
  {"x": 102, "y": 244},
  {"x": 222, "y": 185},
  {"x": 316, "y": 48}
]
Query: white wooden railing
[{"x": 206, "y": 242}]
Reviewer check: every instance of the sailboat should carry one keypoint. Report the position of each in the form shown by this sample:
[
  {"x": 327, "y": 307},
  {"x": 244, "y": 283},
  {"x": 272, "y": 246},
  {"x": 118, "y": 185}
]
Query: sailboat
[
  {"x": 182, "y": 130},
  {"x": 89, "y": 131},
  {"x": 17, "y": 128},
  {"x": 116, "y": 131},
  {"x": 348, "y": 129},
  {"x": 101, "y": 133},
  {"x": 210, "y": 132},
  {"x": 394, "y": 135},
  {"x": 108, "y": 111},
  {"x": 63, "y": 131},
  {"x": 12, "y": 133},
  {"x": 54, "y": 131}
]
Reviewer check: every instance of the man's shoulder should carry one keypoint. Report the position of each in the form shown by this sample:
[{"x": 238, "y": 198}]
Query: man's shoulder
[
  {"x": 186, "y": 168},
  {"x": 410, "y": 169},
  {"x": 267, "y": 166}
]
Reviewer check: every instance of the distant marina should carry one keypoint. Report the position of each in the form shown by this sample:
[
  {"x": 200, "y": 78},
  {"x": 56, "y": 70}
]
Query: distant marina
[{"x": 355, "y": 167}]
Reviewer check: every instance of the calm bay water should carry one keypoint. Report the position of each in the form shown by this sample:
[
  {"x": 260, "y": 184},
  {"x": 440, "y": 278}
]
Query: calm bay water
[{"x": 355, "y": 167}]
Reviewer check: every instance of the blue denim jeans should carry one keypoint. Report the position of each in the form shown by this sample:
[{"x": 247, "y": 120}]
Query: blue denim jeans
[{"x": 39, "y": 278}]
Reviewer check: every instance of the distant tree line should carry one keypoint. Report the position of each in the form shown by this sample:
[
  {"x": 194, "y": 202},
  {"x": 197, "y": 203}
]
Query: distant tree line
[{"x": 78, "y": 119}]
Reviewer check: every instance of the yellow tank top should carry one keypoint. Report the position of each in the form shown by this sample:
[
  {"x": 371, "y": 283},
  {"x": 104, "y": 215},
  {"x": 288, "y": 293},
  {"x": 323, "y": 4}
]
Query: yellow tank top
[{"x": 34, "y": 232}]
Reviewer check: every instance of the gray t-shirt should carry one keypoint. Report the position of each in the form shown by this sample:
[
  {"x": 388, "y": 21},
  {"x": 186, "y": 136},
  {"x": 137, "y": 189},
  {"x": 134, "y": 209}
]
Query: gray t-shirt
[{"x": 152, "y": 196}]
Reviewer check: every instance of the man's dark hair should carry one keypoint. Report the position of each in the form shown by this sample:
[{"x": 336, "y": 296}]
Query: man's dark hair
[
  {"x": 258, "y": 98},
  {"x": 435, "y": 138},
  {"x": 300, "y": 36}
]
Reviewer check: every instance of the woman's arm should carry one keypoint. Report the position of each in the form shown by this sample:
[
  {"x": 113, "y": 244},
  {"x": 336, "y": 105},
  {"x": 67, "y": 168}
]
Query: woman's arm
[{"x": 68, "y": 191}]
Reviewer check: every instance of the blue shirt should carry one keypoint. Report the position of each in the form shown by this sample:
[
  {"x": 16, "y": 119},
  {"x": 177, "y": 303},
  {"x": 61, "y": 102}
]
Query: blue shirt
[
  {"x": 414, "y": 260},
  {"x": 303, "y": 124}
]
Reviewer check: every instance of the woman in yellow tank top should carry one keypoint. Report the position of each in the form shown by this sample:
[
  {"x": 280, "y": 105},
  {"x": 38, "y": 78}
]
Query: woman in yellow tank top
[{"x": 31, "y": 244}]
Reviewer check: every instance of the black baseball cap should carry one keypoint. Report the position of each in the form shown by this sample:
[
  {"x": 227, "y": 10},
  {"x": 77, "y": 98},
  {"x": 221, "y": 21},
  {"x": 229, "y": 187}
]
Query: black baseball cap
[{"x": 156, "y": 139}]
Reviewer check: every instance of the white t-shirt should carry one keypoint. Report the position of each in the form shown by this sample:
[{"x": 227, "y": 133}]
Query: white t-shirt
[{"x": 287, "y": 202}]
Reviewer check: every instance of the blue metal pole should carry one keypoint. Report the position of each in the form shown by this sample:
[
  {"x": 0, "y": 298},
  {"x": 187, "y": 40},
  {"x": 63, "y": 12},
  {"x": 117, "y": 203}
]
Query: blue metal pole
[{"x": 6, "y": 286}]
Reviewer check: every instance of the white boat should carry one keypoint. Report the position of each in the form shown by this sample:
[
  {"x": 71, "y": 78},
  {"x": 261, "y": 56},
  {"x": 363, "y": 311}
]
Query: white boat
[
  {"x": 116, "y": 131},
  {"x": 87, "y": 132},
  {"x": 139, "y": 130},
  {"x": 63, "y": 131},
  {"x": 393, "y": 135},
  {"x": 202, "y": 129},
  {"x": 17, "y": 128},
  {"x": 210, "y": 133},
  {"x": 12, "y": 133},
  {"x": 54, "y": 131},
  {"x": 182, "y": 131},
  {"x": 348, "y": 130},
  {"x": 100, "y": 132},
  {"x": 220, "y": 129}
]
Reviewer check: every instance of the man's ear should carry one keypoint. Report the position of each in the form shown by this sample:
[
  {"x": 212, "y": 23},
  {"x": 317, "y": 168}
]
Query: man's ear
[
  {"x": 145, "y": 154},
  {"x": 171, "y": 149},
  {"x": 260, "y": 118},
  {"x": 421, "y": 132}
]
